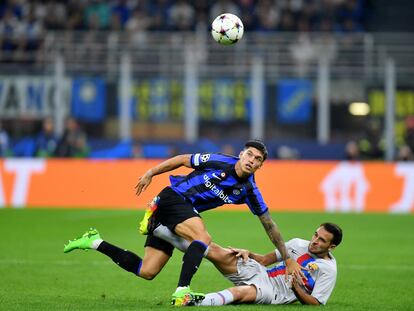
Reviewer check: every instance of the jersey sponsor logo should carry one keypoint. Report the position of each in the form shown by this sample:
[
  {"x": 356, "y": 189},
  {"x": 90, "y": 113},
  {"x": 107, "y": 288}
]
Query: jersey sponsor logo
[
  {"x": 205, "y": 157},
  {"x": 218, "y": 192}
]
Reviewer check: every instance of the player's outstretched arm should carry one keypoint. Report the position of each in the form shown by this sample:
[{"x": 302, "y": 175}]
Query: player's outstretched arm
[
  {"x": 274, "y": 234},
  {"x": 292, "y": 267},
  {"x": 264, "y": 260},
  {"x": 166, "y": 166}
]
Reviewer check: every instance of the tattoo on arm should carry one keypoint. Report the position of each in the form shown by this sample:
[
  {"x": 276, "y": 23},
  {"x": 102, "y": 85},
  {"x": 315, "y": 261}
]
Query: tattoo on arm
[{"x": 274, "y": 234}]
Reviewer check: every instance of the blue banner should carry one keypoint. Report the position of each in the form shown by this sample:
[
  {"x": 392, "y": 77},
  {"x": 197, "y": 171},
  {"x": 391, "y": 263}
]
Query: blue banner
[
  {"x": 89, "y": 99},
  {"x": 294, "y": 101}
]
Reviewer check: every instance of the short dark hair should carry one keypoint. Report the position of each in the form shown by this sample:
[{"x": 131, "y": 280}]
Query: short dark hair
[
  {"x": 259, "y": 145},
  {"x": 335, "y": 230}
]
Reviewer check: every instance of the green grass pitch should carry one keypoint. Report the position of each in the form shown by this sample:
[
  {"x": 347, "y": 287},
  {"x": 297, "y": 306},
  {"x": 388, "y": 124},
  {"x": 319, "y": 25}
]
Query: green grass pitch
[{"x": 375, "y": 261}]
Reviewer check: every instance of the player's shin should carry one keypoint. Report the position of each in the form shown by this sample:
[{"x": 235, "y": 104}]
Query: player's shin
[
  {"x": 191, "y": 261},
  {"x": 224, "y": 297},
  {"x": 122, "y": 257}
]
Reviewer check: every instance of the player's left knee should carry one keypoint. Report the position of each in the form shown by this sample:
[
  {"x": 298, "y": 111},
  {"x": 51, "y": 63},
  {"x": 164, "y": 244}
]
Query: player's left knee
[
  {"x": 147, "y": 275},
  {"x": 244, "y": 294},
  {"x": 205, "y": 237}
]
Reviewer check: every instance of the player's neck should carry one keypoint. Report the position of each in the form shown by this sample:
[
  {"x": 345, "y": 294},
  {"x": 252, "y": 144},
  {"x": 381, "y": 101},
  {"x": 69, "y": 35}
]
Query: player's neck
[
  {"x": 322, "y": 255},
  {"x": 239, "y": 171},
  {"x": 325, "y": 256}
]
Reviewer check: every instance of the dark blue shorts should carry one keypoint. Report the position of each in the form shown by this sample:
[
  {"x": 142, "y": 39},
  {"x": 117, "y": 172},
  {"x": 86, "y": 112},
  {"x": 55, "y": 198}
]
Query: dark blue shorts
[{"x": 172, "y": 209}]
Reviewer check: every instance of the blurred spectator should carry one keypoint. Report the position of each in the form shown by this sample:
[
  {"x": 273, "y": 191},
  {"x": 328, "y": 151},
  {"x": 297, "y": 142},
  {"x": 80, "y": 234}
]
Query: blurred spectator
[
  {"x": 287, "y": 153},
  {"x": 268, "y": 15},
  {"x": 247, "y": 14},
  {"x": 75, "y": 13},
  {"x": 372, "y": 145},
  {"x": 287, "y": 22},
  {"x": 182, "y": 16},
  {"x": 158, "y": 12},
  {"x": 55, "y": 14},
  {"x": 122, "y": 10},
  {"x": 10, "y": 31},
  {"x": 4, "y": 142},
  {"x": 303, "y": 52},
  {"x": 352, "y": 151},
  {"x": 351, "y": 15},
  {"x": 23, "y": 23},
  {"x": 405, "y": 154},
  {"x": 31, "y": 36},
  {"x": 223, "y": 6},
  {"x": 97, "y": 13},
  {"x": 137, "y": 26},
  {"x": 73, "y": 142},
  {"x": 46, "y": 141},
  {"x": 409, "y": 132}
]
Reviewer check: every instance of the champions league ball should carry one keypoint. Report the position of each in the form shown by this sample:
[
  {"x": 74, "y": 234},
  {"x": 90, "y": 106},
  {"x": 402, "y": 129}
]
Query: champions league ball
[{"x": 227, "y": 29}]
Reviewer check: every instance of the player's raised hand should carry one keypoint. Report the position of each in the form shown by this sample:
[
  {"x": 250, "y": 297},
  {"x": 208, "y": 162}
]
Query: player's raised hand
[
  {"x": 143, "y": 183},
  {"x": 239, "y": 252},
  {"x": 294, "y": 269}
]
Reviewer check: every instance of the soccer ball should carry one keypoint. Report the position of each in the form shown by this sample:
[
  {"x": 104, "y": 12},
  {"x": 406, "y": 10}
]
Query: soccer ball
[{"x": 227, "y": 29}]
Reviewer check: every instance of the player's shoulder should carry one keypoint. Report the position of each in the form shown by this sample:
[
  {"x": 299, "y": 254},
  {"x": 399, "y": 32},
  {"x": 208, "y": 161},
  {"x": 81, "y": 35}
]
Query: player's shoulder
[
  {"x": 199, "y": 158},
  {"x": 327, "y": 265},
  {"x": 297, "y": 242},
  {"x": 226, "y": 157}
]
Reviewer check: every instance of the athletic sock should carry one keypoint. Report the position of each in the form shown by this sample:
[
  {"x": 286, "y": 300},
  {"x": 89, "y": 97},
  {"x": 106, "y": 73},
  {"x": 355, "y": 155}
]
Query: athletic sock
[
  {"x": 166, "y": 234},
  {"x": 122, "y": 257},
  {"x": 191, "y": 261},
  {"x": 224, "y": 297},
  {"x": 96, "y": 243}
]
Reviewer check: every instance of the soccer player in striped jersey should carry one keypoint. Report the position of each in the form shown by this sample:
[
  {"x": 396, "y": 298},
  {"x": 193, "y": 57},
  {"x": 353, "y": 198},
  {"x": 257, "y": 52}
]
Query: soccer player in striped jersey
[{"x": 217, "y": 179}]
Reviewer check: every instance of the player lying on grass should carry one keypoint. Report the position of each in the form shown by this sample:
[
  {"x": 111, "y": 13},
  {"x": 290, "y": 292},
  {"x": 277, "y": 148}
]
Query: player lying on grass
[
  {"x": 254, "y": 282},
  {"x": 257, "y": 284}
]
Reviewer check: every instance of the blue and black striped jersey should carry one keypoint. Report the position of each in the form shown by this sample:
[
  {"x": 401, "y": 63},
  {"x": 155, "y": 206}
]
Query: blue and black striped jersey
[{"x": 214, "y": 182}]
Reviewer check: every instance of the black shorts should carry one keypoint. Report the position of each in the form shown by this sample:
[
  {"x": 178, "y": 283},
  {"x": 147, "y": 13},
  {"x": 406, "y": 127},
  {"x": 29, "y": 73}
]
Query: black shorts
[
  {"x": 172, "y": 209},
  {"x": 160, "y": 244}
]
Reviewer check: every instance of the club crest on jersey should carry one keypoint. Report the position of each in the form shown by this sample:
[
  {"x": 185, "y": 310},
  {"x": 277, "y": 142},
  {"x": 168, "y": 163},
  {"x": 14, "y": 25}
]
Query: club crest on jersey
[
  {"x": 236, "y": 192},
  {"x": 312, "y": 266},
  {"x": 205, "y": 157}
]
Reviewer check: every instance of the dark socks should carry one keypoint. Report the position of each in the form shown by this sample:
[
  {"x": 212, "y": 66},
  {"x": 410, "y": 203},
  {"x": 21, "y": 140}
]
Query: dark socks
[
  {"x": 123, "y": 258},
  {"x": 191, "y": 261}
]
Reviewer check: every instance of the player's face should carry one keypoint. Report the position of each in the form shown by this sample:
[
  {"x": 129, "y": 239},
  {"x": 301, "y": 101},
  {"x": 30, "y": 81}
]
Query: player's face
[
  {"x": 320, "y": 243},
  {"x": 251, "y": 159}
]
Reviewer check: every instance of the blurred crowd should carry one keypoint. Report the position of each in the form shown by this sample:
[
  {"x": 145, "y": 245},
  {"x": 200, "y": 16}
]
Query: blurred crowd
[
  {"x": 74, "y": 143},
  {"x": 71, "y": 144},
  {"x": 23, "y": 23},
  {"x": 371, "y": 146}
]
